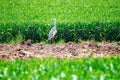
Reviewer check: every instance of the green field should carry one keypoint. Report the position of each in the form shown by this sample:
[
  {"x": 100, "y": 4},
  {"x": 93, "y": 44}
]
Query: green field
[
  {"x": 61, "y": 69},
  {"x": 66, "y": 11},
  {"x": 76, "y": 19}
]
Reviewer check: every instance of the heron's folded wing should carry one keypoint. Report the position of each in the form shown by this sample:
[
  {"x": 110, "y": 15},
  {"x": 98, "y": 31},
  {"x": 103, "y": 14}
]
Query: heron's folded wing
[{"x": 51, "y": 33}]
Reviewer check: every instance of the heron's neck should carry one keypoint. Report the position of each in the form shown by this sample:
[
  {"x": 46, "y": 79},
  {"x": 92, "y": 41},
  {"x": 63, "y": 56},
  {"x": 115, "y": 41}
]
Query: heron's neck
[{"x": 55, "y": 23}]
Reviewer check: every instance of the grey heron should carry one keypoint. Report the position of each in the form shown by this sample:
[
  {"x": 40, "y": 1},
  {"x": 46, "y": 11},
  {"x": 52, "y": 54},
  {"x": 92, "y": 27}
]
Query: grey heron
[{"x": 52, "y": 32}]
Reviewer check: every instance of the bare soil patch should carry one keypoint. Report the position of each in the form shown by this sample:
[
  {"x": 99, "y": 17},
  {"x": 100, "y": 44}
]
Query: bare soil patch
[{"x": 26, "y": 49}]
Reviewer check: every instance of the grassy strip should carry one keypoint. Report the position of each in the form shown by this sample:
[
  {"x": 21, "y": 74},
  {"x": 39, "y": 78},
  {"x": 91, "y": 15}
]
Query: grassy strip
[
  {"x": 67, "y": 32},
  {"x": 50, "y": 68}
]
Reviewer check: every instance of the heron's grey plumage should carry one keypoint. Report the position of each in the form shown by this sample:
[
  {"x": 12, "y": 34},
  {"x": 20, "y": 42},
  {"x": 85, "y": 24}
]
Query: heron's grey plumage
[{"x": 53, "y": 31}]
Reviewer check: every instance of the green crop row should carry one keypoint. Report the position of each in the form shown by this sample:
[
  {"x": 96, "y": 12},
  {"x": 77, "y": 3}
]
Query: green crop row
[
  {"x": 67, "y": 32},
  {"x": 61, "y": 69}
]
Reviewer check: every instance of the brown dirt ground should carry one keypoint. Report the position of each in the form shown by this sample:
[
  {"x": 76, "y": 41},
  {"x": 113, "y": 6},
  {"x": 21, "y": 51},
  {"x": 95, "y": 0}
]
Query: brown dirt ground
[{"x": 26, "y": 49}]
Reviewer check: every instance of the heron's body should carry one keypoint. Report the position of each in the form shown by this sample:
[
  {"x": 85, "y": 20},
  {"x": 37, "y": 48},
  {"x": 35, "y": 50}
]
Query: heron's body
[{"x": 52, "y": 32}]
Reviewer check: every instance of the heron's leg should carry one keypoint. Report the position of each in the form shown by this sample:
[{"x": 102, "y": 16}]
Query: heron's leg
[{"x": 51, "y": 41}]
